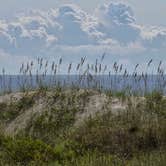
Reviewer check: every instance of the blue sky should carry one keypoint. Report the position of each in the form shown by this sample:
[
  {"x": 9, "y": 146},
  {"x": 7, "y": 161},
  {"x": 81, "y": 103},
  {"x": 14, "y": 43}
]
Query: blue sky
[{"x": 129, "y": 31}]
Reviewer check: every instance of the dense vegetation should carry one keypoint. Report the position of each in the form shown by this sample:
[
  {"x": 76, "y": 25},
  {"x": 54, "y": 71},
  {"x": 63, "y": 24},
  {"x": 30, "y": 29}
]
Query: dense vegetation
[
  {"x": 51, "y": 123},
  {"x": 134, "y": 136}
]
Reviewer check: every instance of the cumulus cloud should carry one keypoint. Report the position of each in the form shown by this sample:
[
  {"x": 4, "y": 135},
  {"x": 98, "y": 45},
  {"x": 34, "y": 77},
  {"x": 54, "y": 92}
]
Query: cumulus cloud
[
  {"x": 112, "y": 26},
  {"x": 118, "y": 22},
  {"x": 36, "y": 30},
  {"x": 154, "y": 37},
  {"x": 111, "y": 23},
  {"x": 115, "y": 13},
  {"x": 75, "y": 25}
]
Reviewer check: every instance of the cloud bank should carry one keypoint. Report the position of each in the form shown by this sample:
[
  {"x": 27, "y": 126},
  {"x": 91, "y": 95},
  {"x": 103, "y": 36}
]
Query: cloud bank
[{"x": 70, "y": 32}]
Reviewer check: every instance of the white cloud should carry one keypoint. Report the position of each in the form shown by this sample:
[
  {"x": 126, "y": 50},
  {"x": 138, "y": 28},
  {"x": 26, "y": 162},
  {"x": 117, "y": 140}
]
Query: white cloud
[
  {"x": 115, "y": 14},
  {"x": 69, "y": 30},
  {"x": 154, "y": 37},
  {"x": 117, "y": 21}
]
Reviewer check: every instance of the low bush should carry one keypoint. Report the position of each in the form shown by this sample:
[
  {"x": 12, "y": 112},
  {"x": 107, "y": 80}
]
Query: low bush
[
  {"x": 125, "y": 134},
  {"x": 25, "y": 150}
]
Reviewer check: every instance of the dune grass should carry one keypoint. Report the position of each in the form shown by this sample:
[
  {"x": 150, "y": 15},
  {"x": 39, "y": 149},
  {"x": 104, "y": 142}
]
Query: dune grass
[{"x": 134, "y": 136}]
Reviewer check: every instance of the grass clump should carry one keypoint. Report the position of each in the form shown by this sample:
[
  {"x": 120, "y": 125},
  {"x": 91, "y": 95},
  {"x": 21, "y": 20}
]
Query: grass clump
[
  {"x": 125, "y": 134},
  {"x": 9, "y": 111},
  {"x": 97, "y": 159},
  {"x": 156, "y": 103},
  {"x": 51, "y": 124},
  {"x": 134, "y": 136},
  {"x": 24, "y": 151},
  {"x": 25, "y": 102}
]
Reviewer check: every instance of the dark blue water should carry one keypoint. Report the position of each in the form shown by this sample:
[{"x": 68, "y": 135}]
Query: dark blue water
[{"x": 105, "y": 82}]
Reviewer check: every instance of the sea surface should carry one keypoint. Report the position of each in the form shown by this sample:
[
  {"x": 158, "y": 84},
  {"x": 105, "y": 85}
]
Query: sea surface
[{"x": 138, "y": 84}]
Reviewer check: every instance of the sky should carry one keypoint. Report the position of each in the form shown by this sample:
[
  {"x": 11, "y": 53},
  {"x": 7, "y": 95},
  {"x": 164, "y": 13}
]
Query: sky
[
  {"x": 128, "y": 31},
  {"x": 151, "y": 12}
]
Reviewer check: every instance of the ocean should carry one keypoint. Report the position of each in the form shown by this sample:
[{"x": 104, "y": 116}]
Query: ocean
[{"x": 136, "y": 84}]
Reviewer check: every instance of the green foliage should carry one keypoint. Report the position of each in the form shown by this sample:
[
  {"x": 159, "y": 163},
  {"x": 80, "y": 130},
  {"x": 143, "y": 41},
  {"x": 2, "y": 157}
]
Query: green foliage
[
  {"x": 124, "y": 134},
  {"x": 9, "y": 111},
  {"x": 25, "y": 102},
  {"x": 67, "y": 151},
  {"x": 25, "y": 150},
  {"x": 135, "y": 136},
  {"x": 156, "y": 158},
  {"x": 95, "y": 158},
  {"x": 51, "y": 124},
  {"x": 156, "y": 103},
  {"x": 122, "y": 95}
]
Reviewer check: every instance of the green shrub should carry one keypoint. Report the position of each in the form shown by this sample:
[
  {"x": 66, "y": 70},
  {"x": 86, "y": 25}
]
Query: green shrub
[
  {"x": 9, "y": 111},
  {"x": 51, "y": 124},
  {"x": 25, "y": 102},
  {"x": 156, "y": 103},
  {"x": 124, "y": 134},
  {"x": 24, "y": 151},
  {"x": 97, "y": 159}
]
